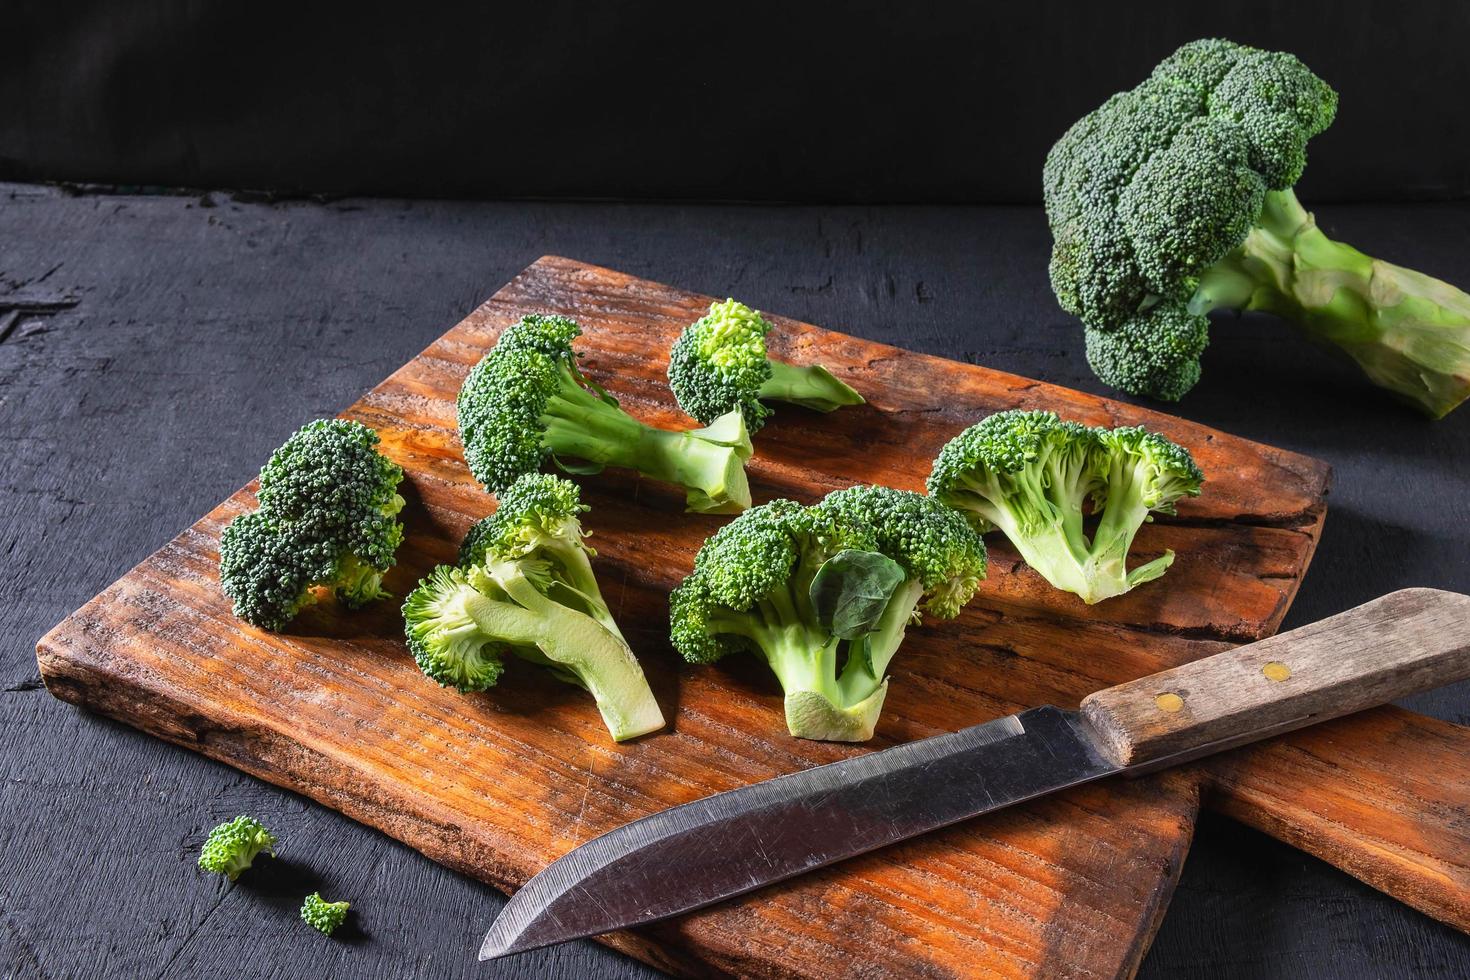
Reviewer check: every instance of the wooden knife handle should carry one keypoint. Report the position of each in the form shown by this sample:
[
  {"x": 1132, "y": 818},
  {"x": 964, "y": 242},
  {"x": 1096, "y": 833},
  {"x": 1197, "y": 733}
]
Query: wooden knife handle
[{"x": 1401, "y": 644}]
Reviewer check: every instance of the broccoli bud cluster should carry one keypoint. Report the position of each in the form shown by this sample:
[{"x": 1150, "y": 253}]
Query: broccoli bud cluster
[
  {"x": 719, "y": 364},
  {"x": 1160, "y": 183},
  {"x": 232, "y": 847},
  {"x": 327, "y": 520},
  {"x": 1176, "y": 198}
]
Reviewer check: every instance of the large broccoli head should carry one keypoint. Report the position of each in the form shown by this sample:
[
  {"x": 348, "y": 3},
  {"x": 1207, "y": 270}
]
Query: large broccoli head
[{"x": 1160, "y": 183}]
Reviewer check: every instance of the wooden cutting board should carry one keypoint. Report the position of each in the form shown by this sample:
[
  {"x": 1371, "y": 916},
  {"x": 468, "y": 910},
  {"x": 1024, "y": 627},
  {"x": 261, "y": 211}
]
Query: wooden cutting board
[{"x": 498, "y": 784}]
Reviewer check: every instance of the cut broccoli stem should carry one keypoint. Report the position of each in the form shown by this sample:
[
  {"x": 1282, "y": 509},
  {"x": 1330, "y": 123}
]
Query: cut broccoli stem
[
  {"x": 810, "y": 387},
  {"x": 593, "y": 657},
  {"x": 1410, "y": 333},
  {"x": 713, "y": 472},
  {"x": 1050, "y": 550},
  {"x": 804, "y": 659},
  {"x": 580, "y": 590},
  {"x": 707, "y": 462},
  {"x": 805, "y": 662}
]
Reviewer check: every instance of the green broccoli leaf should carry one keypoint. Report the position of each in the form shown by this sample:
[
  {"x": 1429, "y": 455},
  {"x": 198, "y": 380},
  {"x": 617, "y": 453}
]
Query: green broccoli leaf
[{"x": 851, "y": 590}]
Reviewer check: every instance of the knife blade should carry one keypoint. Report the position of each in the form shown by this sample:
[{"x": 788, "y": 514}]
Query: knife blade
[{"x": 743, "y": 839}]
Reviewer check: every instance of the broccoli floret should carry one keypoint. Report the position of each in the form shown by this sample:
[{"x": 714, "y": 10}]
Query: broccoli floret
[
  {"x": 330, "y": 479},
  {"x": 525, "y": 587},
  {"x": 458, "y": 636},
  {"x": 1175, "y": 198},
  {"x": 231, "y": 847},
  {"x": 540, "y": 515},
  {"x": 719, "y": 364},
  {"x": 939, "y": 551},
  {"x": 269, "y": 572},
  {"x": 527, "y": 402},
  {"x": 824, "y": 595},
  {"x": 327, "y": 520},
  {"x": 1030, "y": 474},
  {"x": 321, "y": 915}
]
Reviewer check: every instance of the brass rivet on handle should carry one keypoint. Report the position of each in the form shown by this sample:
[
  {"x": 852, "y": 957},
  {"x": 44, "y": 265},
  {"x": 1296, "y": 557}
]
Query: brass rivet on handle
[
  {"x": 1276, "y": 671},
  {"x": 1169, "y": 701}
]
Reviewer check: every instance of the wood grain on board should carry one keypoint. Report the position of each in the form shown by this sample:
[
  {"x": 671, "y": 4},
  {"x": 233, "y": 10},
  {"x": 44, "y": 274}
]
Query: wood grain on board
[{"x": 499, "y": 784}]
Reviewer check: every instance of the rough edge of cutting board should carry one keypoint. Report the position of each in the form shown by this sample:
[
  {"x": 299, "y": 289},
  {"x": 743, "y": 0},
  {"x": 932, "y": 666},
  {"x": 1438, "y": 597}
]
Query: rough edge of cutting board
[{"x": 68, "y": 679}]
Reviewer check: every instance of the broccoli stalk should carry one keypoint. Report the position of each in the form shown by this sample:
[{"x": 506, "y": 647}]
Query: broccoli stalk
[
  {"x": 524, "y": 586},
  {"x": 708, "y": 462},
  {"x": 810, "y": 386},
  {"x": 526, "y": 403},
  {"x": 1410, "y": 333},
  {"x": 829, "y": 694},
  {"x": 1175, "y": 198},
  {"x": 581, "y": 651},
  {"x": 1029, "y": 475},
  {"x": 547, "y": 524},
  {"x": 719, "y": 364},
  {"x": 824, "y": 595},
  {"x": 1030, "y": 483}
]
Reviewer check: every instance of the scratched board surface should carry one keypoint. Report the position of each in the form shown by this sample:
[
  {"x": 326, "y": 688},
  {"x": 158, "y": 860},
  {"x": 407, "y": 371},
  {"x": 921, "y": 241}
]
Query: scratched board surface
[{"x": 498, "y": 784}]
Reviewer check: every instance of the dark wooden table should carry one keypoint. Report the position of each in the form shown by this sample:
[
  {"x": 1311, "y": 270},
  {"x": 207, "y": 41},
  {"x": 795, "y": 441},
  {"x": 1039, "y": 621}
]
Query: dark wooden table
[{"x": 162, "y": 345}]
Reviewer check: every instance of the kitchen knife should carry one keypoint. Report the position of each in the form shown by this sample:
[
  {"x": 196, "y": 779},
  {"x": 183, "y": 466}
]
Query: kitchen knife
[{"x": 741, "y": 840}]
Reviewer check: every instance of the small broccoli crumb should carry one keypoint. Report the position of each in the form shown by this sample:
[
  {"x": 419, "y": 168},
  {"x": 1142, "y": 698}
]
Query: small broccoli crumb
[
  {"x": 231, "y": 847},
  {"x": 321, "y": 915}
]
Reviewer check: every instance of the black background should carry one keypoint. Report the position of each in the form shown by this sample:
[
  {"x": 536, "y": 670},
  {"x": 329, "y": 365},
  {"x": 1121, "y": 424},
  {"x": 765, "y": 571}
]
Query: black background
[
  {"x": 205, "y": 328},
  {"x": 793, "y": 101}
]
